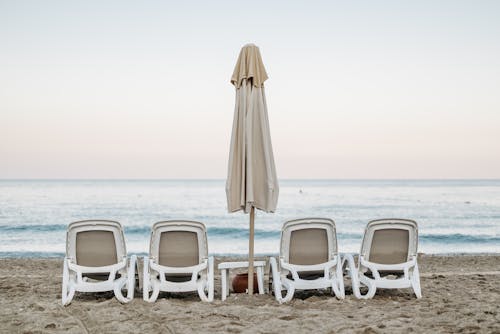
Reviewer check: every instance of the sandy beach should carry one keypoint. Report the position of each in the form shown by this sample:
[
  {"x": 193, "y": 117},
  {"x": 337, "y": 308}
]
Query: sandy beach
[{"x": 461, "y": 294}]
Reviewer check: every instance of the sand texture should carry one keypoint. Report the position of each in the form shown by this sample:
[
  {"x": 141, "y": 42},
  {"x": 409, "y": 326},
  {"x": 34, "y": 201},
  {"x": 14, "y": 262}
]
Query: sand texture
[{"x": 461, "y": 295}]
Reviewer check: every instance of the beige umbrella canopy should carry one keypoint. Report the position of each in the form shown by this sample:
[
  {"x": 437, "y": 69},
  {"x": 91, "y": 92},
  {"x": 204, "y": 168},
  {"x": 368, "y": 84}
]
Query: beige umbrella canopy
[{"x": 251, "y": 181}]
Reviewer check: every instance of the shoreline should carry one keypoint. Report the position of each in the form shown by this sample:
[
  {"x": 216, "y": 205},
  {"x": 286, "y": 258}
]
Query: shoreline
[
  {"x": 460, "y": 293},
  {"x": 56, "y": 256}
]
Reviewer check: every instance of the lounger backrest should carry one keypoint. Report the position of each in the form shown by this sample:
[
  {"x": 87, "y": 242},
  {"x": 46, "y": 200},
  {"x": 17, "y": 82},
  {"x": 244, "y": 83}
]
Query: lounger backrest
[
  {"x": 178, "y": 249},
  {"x": 95, "y": 248},
  {"x": 390, "y": 241},
  {"x": 179, "y": 243},
  {"x": 95, "y": 243},
  {"x": 308, "y": 241}
]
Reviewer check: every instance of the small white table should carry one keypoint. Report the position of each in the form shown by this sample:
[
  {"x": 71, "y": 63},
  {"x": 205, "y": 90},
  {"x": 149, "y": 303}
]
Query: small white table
[{"x": 224, "y": 268}]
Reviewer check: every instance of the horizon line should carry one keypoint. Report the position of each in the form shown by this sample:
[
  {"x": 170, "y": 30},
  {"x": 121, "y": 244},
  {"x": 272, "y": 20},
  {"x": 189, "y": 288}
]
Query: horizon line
[{"x": 223, "y": 179}]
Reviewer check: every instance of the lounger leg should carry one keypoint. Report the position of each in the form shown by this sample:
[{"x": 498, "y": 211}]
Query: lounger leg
[
  {"x": 131, "y": 277},
  {"x": 210, "y": 278},
  {"x": 207, "y": 284},
  {"x": 201, "y": 290},
  {"x": 356, "y": 279},
  {"x": 415, "y": 281},
  {"x": 370, "y": 284},
  {"x": 68, "y": 289},
  {"x": 338, "y": 283},
  {"x": 260, "y": 280},
  {"x": 156, "y": 291},
  {"x": 145, "y": 278},
  {"x": 348, "y": 263},
  {"x": 290, "y": 291},
  {"x": 147, "y": 283},
  {"x": 139, "y": 275},
  {"x": 118, "y": 286},
  {"x": 277, "y": 285}
]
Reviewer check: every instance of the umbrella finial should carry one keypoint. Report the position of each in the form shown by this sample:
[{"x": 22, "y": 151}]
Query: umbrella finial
[{"x": 249, "y": 66}]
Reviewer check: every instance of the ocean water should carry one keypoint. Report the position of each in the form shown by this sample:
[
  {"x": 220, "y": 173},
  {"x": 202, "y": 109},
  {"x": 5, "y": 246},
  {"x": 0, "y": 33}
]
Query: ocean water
[{"x": 454, "y": 216}]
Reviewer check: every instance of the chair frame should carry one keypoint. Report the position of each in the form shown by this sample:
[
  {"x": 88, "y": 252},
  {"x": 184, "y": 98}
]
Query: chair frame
[
  {"x": 411, "y": 274},
  {"x": 73, "y": 280},
  {"x": 154, "y": 279},
  {"x": 332, "y": 269}
]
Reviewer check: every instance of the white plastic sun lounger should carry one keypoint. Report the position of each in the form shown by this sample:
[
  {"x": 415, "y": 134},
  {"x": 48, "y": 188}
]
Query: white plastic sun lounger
[
  {"x": 388, "y": 258},
  {"x": 178, "y": 261},
  {"x": 308, "y": 259},
  {"x": 96, "y": 260}
]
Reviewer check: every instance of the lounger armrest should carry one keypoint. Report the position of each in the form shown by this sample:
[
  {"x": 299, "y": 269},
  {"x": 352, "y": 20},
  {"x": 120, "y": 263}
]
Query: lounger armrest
[
  {"x": 294, "y": 268},
  {"x": 104, "y": 269},
  {"x": 375, "y": 267},
  {"x": 178, "y": 270},
  {"x": 111, "y": 269},
  {"x": 193, "y": 270}
]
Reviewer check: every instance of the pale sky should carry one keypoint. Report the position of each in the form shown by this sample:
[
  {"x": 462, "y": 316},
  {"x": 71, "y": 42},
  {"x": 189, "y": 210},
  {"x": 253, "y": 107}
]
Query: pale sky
[{"x": 356, "y": 89}]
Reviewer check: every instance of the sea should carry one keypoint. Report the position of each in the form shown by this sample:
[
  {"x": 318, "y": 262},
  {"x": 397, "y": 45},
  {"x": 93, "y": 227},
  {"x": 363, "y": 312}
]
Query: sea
[{"x": 454, "y": 216}]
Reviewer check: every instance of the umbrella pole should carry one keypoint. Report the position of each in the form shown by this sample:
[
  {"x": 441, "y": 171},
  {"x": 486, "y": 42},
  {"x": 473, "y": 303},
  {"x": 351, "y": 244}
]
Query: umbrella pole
[{"x": 250, "y": 252}]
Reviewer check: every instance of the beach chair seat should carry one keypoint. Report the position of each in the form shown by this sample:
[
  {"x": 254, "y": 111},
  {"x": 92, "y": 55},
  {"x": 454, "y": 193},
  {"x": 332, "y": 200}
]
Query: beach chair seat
[
  {"x": 308, "y": 259},
  {"x": 388, "y": 258},
  {"x": 96, "y": 260},
  {"x": 178, "y": 261}
]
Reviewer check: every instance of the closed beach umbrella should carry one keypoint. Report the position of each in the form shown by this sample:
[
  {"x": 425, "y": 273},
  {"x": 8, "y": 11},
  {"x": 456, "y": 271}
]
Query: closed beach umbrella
[{"x": 251, "y": 180}]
